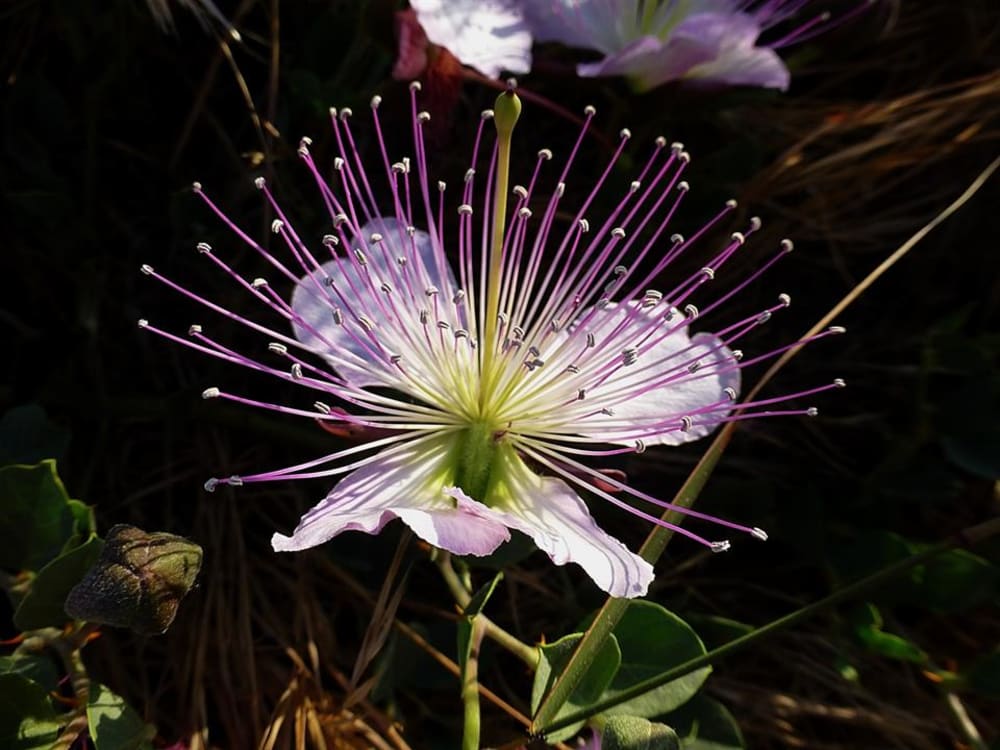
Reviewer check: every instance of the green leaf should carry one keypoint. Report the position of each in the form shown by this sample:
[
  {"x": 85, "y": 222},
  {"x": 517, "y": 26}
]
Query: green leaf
[
  {"x": 42, "y": 607},
  {"x": 478, "y": 601},
  {"x": 552, "y": 662},
  {"x": 27, "y": 436},
  {"x": 138, "y": 581},
  {"x": 867, "y": 625},
  {"x": 38, "y": 669},
  {"x": 27, "y": 720},
  {"x": 705, "y": 724},
  {"x": 36, "y": 519},
  {"x": 113, "y": 725},
  {"x": 636, "y": 733},
  {"x": 955, "y": 581},
  {"x": 653, "y": 640}
]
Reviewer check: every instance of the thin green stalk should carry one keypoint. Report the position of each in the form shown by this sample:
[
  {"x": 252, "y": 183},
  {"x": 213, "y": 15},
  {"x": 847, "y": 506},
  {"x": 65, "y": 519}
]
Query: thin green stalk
[
  {"x": 660, "y": 536},
  {"x": 965, "y": 538},
  {"x": 528, "y": 654},
  {"x": 470, "y": 688}
]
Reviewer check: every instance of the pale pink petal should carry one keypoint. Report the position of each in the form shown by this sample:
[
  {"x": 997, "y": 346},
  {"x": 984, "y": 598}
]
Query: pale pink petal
[
  {"x": 345, "y": 351},
  {"x": 626, "y": 392},
  {"x": 554, "y": 516},
  {"x": 488, "y": 35},
  {"x": 401, "y": 484}
]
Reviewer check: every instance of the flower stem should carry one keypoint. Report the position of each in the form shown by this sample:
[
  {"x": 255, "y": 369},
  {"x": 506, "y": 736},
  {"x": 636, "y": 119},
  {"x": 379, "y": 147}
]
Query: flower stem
[
  {"x": 470, "y": 688},
  {"x": 528, "y": 654}
]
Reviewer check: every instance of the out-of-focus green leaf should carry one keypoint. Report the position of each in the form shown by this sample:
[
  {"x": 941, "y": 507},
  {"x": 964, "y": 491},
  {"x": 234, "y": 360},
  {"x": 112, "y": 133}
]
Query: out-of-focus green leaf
[
  {"x": 552, "y": 661},
  {"x": 867, "y": 625},
  {"x": 983, "y": 676},
  {"x": 27, "y": 436},
  {"x": 39, "y": 669},
  {"x": 472, "y": 609},
  {"x": 113, "y": 724},
  {"x": 636, "y": 733},
  {"x": 42, "y": 607},
  {"x": 36, "y": 520},
  {"x": 27, "y": 719},
  {"x": 955, "y": 581},
  {"x": 705, "y": 724},
  {"x": 138, "y": 581}
]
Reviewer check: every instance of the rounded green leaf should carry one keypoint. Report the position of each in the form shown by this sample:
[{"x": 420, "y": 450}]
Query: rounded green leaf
[
  {"x": 113, "y": 725},
  {"x": 705, "y": 724},
  {"x": 36, "y": 519},
  {"x": 42, "y": 607},
  {"x": 27, "y": 719},
  {"x": 636, "y": 733}
]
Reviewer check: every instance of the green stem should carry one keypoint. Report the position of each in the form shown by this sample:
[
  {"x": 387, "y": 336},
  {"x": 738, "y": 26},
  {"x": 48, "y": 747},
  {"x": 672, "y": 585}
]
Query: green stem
[
  {"x": 528, "y": 654},
  {"x": 470, "y": 688},
  {"x": 967, "y": 537}
]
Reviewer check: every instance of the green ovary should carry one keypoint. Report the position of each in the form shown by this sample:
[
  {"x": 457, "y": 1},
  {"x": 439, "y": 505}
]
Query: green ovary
[{"x": 480, "y": 458}]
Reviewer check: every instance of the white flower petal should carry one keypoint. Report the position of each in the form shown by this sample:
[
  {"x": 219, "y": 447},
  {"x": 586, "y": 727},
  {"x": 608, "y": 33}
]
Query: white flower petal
[
  {"x": 426, "y": 266},
  {"x": 626, "y": 391},
  {"x": 488, "y": 35},
  {"x": 400, "y": 483},
  {"x": 554, "y": 516}
]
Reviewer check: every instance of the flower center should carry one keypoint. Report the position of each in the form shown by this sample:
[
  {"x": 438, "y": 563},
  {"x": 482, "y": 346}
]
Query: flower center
[{"x": 476, "y": 456}]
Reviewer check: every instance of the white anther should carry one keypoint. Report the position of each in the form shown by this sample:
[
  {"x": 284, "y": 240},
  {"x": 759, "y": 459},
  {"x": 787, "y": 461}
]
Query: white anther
[
  {"x": 660, "y": 141},
  {"x": 375, "y": 238},
  {"x": 755, "y": 223},
  {"x": 339, "y": 220},
  {"x": 235, "y": 481},
  {"x": 764, "y": 317},
  {"x": 730, "y": 393},
  {"x": 560, "y": 189},
  {"x": 502, "y": 319},
  {"x": 423, "y": 316},
  {"x": 196, "y": 187},
  {"x": 677, "y": 239},
  {"x": 277, "y": 225},
  {"x": 203, "y": 247},
  {"x": 684, "y": 157},
  {"x": 322, "y": 408},
  {"x": 260, "y": 183},
  {"x": 625, "y": 133},
  {"x": 584, "y": 226},
  {"x": 258, "y": 283},
  {"x": 458, "y": 296},
  {"x": 737, "y": 354},
  {"x": 618, "y": 232},
  {"x": 581, "y": 394},
  {"x": 840, "y": 382},
  {"x": 333, "y": 111},
  {"x": 338, "y": 316},
  {"x": 731, "y": 203},
  {"x": 722, "y": 546},
  {"x": 411, "y": 230},
  {"x": 589, "y": 110},
  {"x": 444, "y": 325},
  {"x": 676, "y": 147},
  {"x": 376, "y": 101},
  {"x": 517, "y": 332},
  {"x": 338, "y": 164},
  {"x": 787, "y": 246},
  {"x": 360, "y": 257},
  {"x": 275, "y": 348},
  {"x": 608, "y": 411},
  {"x": 423, "y": 116},
  {"x": 469, "y": 175},
  {"x": 640, "y": 447},
  {"x": 812, "y": 411},
  {"x": 691, "y": 311},
  {"x": 367, "y": 323},
  {"x": 415, "y": 86},
  {"x": 194, "y": 330},
  {"x": 591, "y": 341},
  {"x": 142, "y": 323},
  {"x": 146, "y": 269},
  {"x": 345, "y": 113},
  {"x": 545, "y": 154},
  {"x": 758, "y": 533},
  {"x": 431, "y": 291},
  {"x": 738, "y": 238},
  {"x": 211, "y": 393},
  {"x": 296, "y": 371},
  {"x": 520, "y": 191},
  {"x": 304, "y": 144},
  {"x": 210, "y": 485},
  {"x": 683, "y": 186},
  {"x": 634, "y": 186},
  {"x": 555, "y": 325},
  {"x": 709, "y": 272},
  {"x": 442, "y": 186},
  {"x": 330, "y": 240},
  {"x": 465, "y": 210},
  {"x": 486, "y": 114},
  {"x": 399, "y": 168},
  {"x": 653, "y": 294},
  {"x": 524, "y": 212},
  {"x": 836, "y": 329},
  {"x": 386, "y": 287},
  {"x": 686, "y": 423}
]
